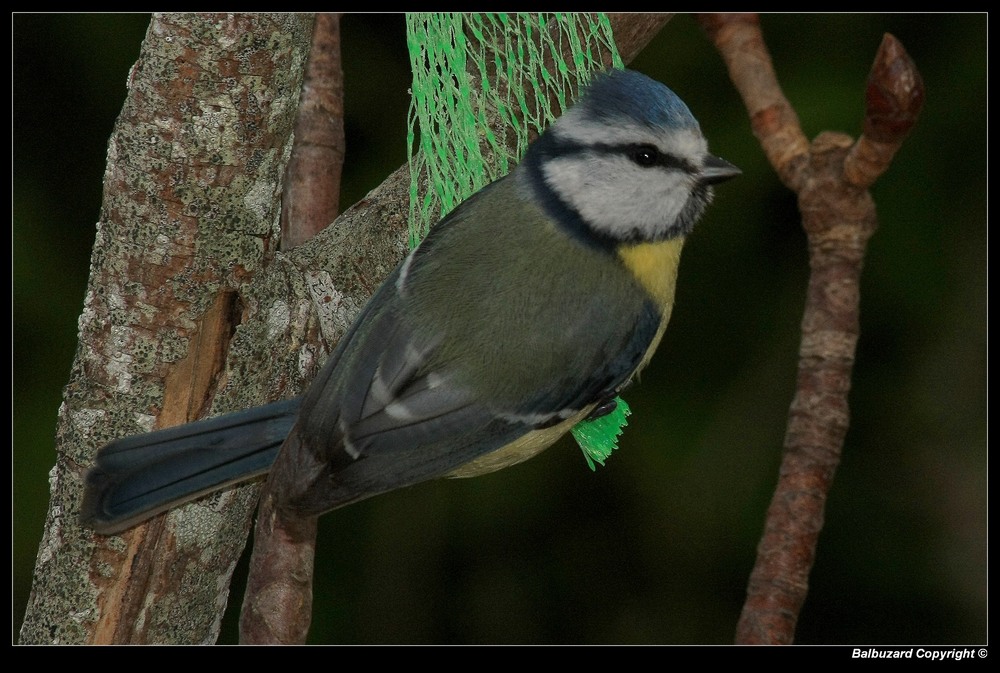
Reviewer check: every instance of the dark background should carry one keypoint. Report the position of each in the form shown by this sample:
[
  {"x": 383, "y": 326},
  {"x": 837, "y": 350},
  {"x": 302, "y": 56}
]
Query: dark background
[{"x": 655, "y": 547}]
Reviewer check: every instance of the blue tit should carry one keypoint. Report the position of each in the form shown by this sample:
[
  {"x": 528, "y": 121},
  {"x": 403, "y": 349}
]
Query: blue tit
[{"x": 525, "y": 309}]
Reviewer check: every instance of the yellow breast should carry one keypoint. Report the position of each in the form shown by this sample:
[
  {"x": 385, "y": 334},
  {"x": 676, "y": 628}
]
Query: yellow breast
[{"x": 655, "y": 265}]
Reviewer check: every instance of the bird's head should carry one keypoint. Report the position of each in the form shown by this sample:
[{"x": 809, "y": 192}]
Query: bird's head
[{"x": 627, "y": 163}]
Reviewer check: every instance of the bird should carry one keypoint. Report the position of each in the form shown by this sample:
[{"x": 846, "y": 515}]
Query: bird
[{"x": 524, "y": 311}]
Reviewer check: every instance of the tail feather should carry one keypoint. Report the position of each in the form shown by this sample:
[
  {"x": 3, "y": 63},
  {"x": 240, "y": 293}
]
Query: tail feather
[{"x": 137, "y": 477}]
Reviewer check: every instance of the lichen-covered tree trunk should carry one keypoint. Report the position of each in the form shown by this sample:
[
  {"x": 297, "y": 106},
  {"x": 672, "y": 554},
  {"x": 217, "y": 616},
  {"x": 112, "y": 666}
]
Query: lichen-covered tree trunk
[{"x": 189, "y": 216}]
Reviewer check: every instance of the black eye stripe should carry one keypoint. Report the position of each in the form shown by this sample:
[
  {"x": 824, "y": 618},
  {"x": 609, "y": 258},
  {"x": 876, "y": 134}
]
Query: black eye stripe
[{"x": 642, "y": 154}]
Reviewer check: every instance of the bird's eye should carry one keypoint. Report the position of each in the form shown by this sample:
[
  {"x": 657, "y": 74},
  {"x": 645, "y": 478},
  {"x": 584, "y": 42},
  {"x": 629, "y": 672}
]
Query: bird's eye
[{"x": 645, "y": 155}]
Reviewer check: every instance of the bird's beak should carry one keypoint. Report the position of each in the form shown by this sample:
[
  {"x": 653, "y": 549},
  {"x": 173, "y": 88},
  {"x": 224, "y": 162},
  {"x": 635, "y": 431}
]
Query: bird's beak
[{"x": 716, "y": 170}]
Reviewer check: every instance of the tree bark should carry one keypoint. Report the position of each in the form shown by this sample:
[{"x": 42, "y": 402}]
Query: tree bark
[
  {"x": 190, "y": 213},
  {"x": 311, "y": 200}
]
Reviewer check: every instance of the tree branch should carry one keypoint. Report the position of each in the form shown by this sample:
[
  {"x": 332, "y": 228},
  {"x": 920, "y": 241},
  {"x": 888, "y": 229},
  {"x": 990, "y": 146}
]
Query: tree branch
[
  {"x": 831, "y": 177},
  {"x": 634, "y": 31},
  {"x": 277, "y": 605},
  {"x": 311, "y": 199}
]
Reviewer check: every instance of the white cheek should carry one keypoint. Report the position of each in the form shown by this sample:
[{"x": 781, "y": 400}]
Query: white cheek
[{"x": 617, "y": 197}]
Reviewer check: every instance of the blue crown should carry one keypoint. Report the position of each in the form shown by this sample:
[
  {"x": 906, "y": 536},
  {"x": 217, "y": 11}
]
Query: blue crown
[{"x": 626, "y": 93}]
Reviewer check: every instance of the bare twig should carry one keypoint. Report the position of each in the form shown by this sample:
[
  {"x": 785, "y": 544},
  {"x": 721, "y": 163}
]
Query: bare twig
[
  {"x": 311, "y": 198},
  {"x": 277, "y": 605},
  {"x": 634, "y": 31},
  {"x": 774, "y": 122},
  {"x": 277, "y": 608},
  {"x": 893, "y": 99},
  {"x": 831, "y": 177}
]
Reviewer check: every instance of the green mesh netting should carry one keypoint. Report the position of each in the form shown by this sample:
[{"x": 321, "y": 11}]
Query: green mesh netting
[
  {"x": 457, "y": 109},
  {"x": 481, "y": 90}
]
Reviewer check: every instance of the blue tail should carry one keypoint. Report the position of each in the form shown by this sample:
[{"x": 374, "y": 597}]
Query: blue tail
[{"x": 136, "y": 477}]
